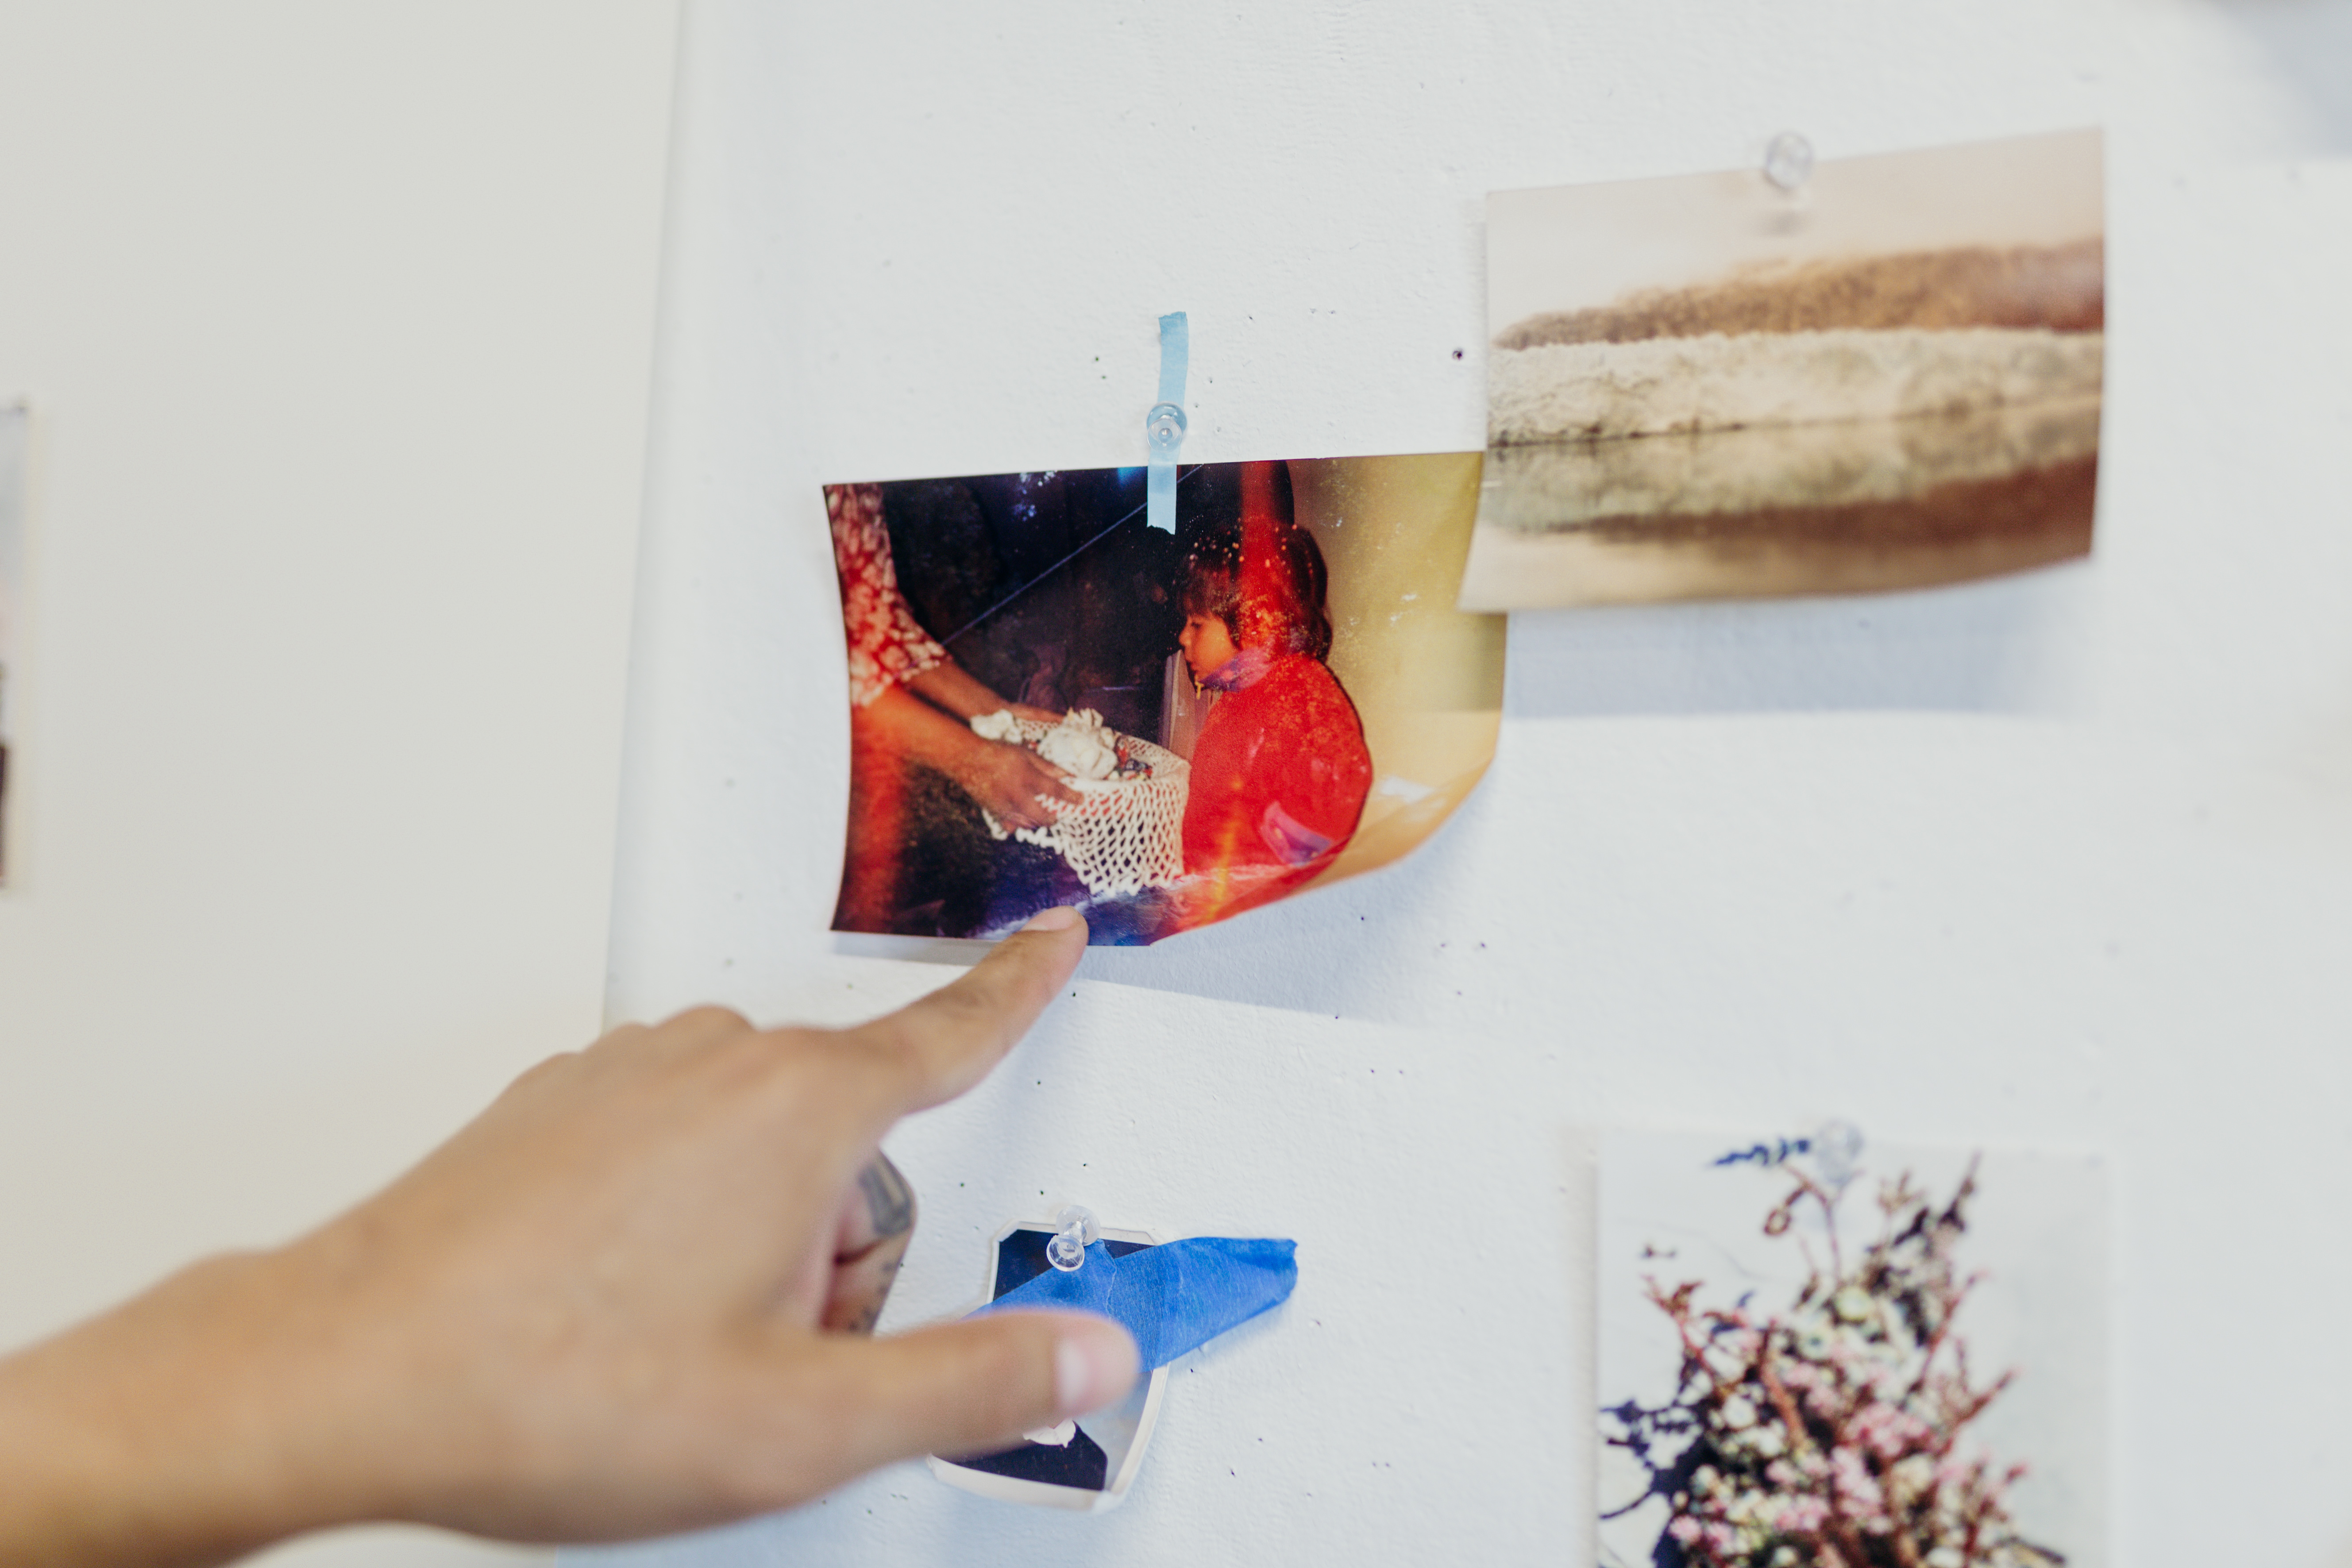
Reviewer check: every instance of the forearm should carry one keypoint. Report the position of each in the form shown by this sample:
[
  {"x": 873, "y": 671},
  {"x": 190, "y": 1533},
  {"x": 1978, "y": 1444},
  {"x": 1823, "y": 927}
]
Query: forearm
[
  {"x": 903, "y": 723},
  {"x": 627, "y": 1299},
  {"x": 953, "y": 687},
  {"x": 1006, "y": 780},
  {"x": 172, "y": 1430}
]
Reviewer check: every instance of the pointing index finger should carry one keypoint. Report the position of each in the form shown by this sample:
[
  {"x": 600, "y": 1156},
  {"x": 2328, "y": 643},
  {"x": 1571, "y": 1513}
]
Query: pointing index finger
[{"x": 951, "y": 1037}]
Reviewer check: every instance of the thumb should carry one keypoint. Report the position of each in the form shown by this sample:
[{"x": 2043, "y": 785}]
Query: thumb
[{"x": 973, "y": 1386}]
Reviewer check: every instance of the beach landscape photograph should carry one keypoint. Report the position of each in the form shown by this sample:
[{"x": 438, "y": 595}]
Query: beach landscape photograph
[{"x": 1886, "y": 376}]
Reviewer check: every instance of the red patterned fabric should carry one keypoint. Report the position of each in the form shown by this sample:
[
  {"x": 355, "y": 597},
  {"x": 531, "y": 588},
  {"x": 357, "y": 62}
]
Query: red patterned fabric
[
  {"x": 1279, "y": 777},
  {"x": 887, "y": 647}
]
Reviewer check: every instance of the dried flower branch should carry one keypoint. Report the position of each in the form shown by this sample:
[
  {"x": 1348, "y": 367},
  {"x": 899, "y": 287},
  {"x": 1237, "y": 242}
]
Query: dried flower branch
[{"x": 1829, "y": 1437}]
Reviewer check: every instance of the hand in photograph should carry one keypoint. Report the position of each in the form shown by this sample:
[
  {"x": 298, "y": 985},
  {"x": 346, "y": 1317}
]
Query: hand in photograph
[
  {"x": 910, "y": 703},
  {"x": 1020, "y": 787},
  {"x": 1010, "y": 781},
  {"x": 631, "y": 1297}
]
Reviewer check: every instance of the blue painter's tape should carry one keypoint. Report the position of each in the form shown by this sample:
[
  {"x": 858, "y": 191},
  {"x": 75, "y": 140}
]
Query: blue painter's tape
[
  {"x": 1174, "y": 1297},
  {"x": 1175, "y": 349},
  {"x": 1160, "y": 498},
  {"x": 1163, "y": 428}
]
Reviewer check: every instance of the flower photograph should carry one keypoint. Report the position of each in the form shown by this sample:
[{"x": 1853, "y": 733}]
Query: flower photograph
[
  {"x": 1885, "y": 374},
  {"x": 1821, "y": 1355},
  {"x": 1053, "y": 702}
]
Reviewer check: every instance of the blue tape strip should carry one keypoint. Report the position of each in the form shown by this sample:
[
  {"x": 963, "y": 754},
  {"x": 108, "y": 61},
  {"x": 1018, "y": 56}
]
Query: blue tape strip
[
  {"x": 1175, "y": 351},
  {"x": 1172, "y": 1298},
  {"x": 1161, "y": 496},
  {"x": 1162, "y": 433}
]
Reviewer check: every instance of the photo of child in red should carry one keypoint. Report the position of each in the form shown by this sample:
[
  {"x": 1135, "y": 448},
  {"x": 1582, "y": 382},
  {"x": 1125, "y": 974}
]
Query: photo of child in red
[{"x": 1280, "y": 771}]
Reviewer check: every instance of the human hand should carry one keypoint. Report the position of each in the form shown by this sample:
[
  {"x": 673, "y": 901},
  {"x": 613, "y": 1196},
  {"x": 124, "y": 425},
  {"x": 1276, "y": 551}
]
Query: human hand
[
  {"x": 624, "y": 1300},
  {"x": 1020, "y": 788},
  {"x": 1035, "y": 714}
]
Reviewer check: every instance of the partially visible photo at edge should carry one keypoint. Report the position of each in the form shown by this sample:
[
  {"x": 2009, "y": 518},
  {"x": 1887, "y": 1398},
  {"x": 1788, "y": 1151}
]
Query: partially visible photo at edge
[
  {"x": 1829, "y": 1349},
  {"x": 1886, "y": 376},
  {"x": 1053, "y": 702},
  {"x": 13, "y": 422}
]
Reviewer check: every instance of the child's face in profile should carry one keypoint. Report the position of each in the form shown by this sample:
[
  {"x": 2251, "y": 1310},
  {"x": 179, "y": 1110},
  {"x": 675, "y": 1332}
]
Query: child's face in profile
[{"x": 1208, "y": 644}]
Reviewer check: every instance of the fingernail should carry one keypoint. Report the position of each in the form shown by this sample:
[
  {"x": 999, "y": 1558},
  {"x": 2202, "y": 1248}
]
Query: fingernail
[
  {"x": 1092, "y": 1367},
  {"x": 1061, "y": 918}
]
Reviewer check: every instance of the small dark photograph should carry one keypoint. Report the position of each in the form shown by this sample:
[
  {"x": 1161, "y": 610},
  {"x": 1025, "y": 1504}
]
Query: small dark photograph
[{"x": 1084, "y": 1465}]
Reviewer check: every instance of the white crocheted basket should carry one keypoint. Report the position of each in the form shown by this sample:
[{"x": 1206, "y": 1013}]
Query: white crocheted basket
[{"x": 1125, "y": 834}]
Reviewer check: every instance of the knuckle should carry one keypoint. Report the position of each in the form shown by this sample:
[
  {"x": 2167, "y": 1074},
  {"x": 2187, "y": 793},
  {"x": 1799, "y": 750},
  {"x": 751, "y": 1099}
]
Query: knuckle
[
  {"x": 540, "y": 1074},
  {"x": 880, "y": 1053},
  {"x": 947, "y": 1023},
  {"x": 1010, "y": 1376},
  {"x": 710, "y": 1019},
  {"x": 900, "y": 1054},
  {"x": 622, "y": 1034},
  {"x": 970, "y": 999}
]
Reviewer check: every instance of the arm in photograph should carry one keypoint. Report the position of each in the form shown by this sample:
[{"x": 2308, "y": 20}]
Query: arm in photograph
[
  {"x": 950, "y": 685},
  {"x": 886, "y": 644},
  {"x": 627, "y": 1300},
  {"x": 1011, "y": 780}
]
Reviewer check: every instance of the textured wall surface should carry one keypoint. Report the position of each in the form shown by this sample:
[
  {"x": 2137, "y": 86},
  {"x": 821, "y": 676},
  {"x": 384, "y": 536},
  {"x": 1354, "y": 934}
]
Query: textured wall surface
[
  {"x": 337, "y": 323},
  {"x": 2064, "y": 860}
]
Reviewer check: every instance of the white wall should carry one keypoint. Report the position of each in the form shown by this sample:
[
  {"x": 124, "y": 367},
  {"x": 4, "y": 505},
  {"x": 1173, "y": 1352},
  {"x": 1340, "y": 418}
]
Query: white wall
[
  {"x": 2064, "y": 860},
  {"x": 337, "y": 323}
]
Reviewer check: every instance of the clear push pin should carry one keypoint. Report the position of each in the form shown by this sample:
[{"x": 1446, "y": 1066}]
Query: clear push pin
[
  {"x": 1163, "y": 428},
  {"x": 1836, "y": 1147},
  {"x": 1074, "y": 1232},
  {"x": 1789, "y": 161}
]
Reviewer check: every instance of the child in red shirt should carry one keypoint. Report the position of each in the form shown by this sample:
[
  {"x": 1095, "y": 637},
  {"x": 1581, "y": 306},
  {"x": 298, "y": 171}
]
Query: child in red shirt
[{"x": 1280, "y": 771}]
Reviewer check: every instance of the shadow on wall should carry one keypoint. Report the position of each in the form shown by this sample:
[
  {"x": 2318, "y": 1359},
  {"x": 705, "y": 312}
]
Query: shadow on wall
[
  {"x": 1339, "y": 950},
  {"x": 1360, "y": 949},
  {"x": 1426, "y": 680},
  {"x": 2002, "y": 646},
  {"x": 2005, "y": 646},
  {"x": 2307, "y": 47}
]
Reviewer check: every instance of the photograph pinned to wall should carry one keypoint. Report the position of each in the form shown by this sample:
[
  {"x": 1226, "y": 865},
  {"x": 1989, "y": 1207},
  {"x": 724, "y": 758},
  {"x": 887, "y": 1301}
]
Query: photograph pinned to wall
[
  {"x": 1087, "y": 1464},
  {"x": 1053, "y": 702},
  {"x": 14, "y": 421},
  {"x": 1174, "y": 1297},
  {"x": 1885, "y": 375},
  {"x": 1816, "y": 1351}
]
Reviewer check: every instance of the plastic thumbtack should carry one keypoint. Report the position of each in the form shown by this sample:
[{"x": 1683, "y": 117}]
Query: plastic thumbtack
[
  {"x": 1789, "y": 161},
  {"x": 1163, "y": 428},
  {"x": 1075, "y": 1231},
  {"x": 1836, "y": 1147}
]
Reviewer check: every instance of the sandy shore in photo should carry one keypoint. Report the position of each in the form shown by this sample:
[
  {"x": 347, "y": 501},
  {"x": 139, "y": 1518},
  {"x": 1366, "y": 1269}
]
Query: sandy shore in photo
[
  {"x": 1558, "y": 485},
  {"x": 1951, "y": 534},
  {"x": 1663, "y": 386},
  {"x": 2061, "y": 288}
]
